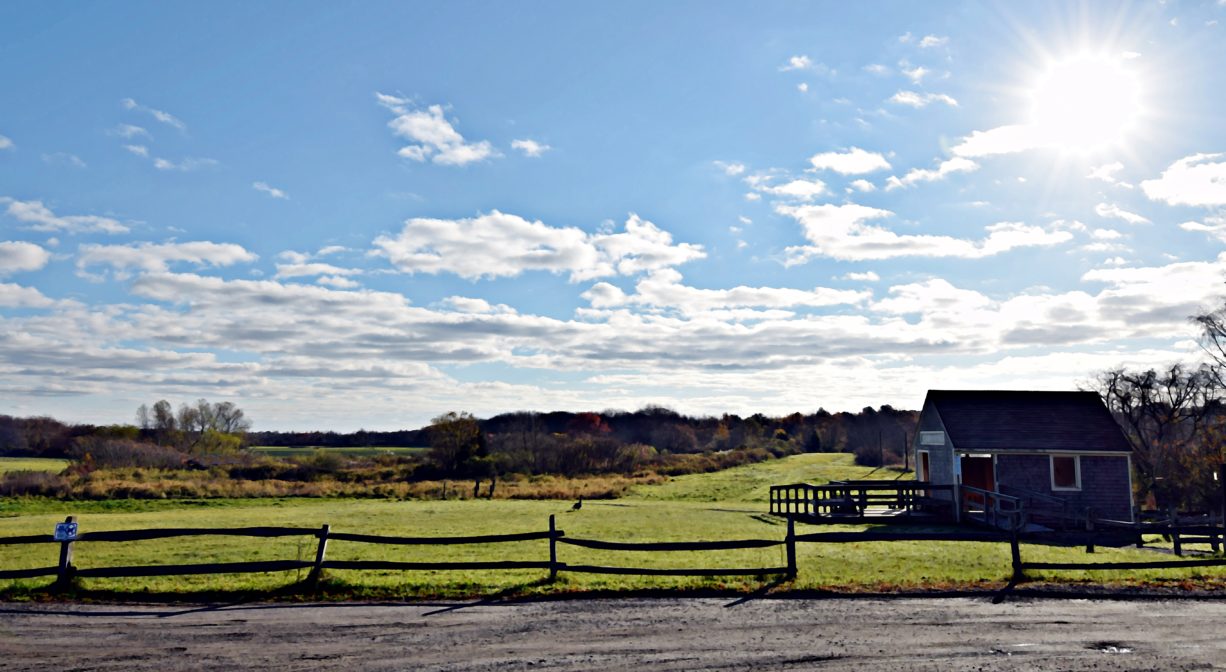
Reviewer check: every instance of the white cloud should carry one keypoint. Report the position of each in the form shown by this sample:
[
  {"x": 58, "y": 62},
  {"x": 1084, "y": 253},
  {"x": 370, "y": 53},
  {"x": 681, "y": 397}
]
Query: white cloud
[
  {"x": 945, "y": 169},
  {"x": 843, "y": 232},
  {"x": 502, "y": 245},
  {"x": 863, "y": 186},
  {"x": 431, "y": 135},
  {"x": 5, "y": 143},
  {"x": 805, "y": 190},
  {"x": 63, "y": 159},
  {"x": 41, "y": 218},
  {"x": 854, "y": 161},
  {"x": 867, "y": 276},
  {"x": 338, "y": 282},
  {"x": 664, "y": 289},
  {"x": 17, "y": 257},
  {"x": 304, "y": 270},
  {"x": 1213, "y": 226},
  {"x": 730, "y": 169},
  {"x": 155, "y": 258},
  {"x": 999, "y": 140},
  {"x": 16, "y": 296},
  {"x": 1107, "y": 173},
  {"x": 129, "y": 131},
  {"x": 1113, "y": 211},
  {"x": 919, "y": 100},
  {"x": 916, "y": 74},
  {"x": 802, "y": 87},
  {"x": 530, "y": 147},
  {"x": 186, "y": 165},
  {"x": 800, "y": 62},
  {"x": 1193, "y": 180},
  {"x": 930, "y": 41},
  {"x": 270, "y": 190},
  {"x": 1106, "y": 234},
  {"x": 164, "y": 117},
  {"x": 331, "y": 249},
  {"x": 139, "y": 150},
  {"x": 877, "y": 69}
]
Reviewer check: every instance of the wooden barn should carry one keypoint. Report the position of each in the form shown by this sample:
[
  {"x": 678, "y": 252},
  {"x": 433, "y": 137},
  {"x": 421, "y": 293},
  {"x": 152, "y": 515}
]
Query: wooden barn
[{"x": 1051, "y": 450}]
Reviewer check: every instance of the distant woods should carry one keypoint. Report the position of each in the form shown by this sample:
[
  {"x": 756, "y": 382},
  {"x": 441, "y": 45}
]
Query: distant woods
[{"x": 162, "y": 436}]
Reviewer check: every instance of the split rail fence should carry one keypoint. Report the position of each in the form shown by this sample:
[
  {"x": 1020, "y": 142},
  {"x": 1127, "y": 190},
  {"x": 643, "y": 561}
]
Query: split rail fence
[{"x": 65, "y": 571}]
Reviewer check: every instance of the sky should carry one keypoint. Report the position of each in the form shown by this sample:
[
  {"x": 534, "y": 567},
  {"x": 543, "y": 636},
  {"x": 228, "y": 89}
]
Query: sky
[{"x": 364, "y": 215}]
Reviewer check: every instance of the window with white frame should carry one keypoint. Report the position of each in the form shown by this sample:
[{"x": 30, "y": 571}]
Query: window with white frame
[{"x": 1065, "y": 472}]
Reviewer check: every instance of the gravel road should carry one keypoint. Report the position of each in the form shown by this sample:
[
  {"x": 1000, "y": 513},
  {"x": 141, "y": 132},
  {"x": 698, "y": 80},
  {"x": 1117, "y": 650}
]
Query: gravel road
[{"x": 623, "y": 634}]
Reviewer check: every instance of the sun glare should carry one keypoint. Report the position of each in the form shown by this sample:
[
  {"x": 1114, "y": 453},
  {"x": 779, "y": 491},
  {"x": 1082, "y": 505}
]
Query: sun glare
[{"x": 1086, "y": 103}]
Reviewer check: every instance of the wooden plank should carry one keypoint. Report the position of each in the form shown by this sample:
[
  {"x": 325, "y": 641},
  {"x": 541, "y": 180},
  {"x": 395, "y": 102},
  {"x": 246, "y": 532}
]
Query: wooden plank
[
  {"x": 439, "y": 541},
  {"x": 640, "y": 571},
  {"x": 205, "y": 568},
  {"x": 166, "y": 533},
  {"x": 670, "y": 545},
  {"x": 1163, "y": 564},
  {"x": 28, "y": 573},
  {"x": 28, "y": 539},
  {"x": 440, "y": 566}
]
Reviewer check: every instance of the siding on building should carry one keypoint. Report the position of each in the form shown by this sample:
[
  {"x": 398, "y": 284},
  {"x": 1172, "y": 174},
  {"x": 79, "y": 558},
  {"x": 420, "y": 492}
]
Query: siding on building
[
  {"x": 1105, "y": 484},
  {"x": 940, "y": 458}
]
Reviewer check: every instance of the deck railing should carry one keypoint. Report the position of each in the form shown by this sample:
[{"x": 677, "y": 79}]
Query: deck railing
[
  {"x": 852, "y": 499},
  {"x": 991, "y": 508}
]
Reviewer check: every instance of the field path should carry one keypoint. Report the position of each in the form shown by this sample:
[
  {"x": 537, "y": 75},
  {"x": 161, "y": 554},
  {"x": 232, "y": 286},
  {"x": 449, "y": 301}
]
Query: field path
[{"x": 639, "y": 634}]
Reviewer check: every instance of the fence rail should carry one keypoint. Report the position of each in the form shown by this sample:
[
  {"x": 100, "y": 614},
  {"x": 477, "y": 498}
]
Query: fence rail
[{"x": 65, "y": 571}]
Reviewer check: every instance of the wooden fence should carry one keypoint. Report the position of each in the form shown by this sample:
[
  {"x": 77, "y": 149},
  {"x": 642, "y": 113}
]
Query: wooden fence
[{"x": 65, "y": 571}]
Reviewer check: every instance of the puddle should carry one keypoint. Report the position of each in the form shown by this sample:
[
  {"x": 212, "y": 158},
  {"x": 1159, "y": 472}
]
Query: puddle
[{"x": 1109, "y": 647}]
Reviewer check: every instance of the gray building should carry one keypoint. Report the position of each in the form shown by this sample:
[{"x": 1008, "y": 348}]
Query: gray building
[{"x": 1062, "y": 445}]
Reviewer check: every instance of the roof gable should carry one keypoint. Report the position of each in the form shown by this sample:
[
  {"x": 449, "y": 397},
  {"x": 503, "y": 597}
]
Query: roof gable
[{"x": 993, "y": 420}]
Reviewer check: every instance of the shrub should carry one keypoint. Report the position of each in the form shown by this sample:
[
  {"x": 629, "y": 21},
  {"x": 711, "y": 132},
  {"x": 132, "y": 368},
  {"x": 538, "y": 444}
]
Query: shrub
[
  {"x": 34, "y": 484},
  {"x": 113, "y": 453}
]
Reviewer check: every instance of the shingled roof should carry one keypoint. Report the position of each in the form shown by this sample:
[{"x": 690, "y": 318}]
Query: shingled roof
[{"x": 993, "y": 420}]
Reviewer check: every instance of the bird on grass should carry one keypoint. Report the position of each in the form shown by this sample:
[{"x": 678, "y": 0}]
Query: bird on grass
[{"x": 577, "y": 505}]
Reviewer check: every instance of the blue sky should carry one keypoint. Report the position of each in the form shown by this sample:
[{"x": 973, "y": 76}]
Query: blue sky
[{"x": 345, "y": 216}]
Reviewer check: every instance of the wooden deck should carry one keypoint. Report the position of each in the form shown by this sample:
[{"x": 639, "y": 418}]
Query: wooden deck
[{"x": 864, "y": 501}]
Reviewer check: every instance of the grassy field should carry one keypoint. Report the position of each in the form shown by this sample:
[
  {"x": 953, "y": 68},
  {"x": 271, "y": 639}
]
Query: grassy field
[
  {"x": 679, "y": 510},
  {"x": 360, "y": 451},
  {"x": 8, "y": 464}
]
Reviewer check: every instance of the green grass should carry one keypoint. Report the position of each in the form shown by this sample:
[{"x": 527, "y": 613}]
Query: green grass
[
  {"x": 678, "y": 510},
  {"x": 53, "y": 465},
  {"x": 751, "y": 482},
  {"x": 360, "y": 451}
]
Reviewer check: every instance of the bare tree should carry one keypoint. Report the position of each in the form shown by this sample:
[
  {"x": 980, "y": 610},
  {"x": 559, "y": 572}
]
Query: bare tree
[{"x": 1164, "y": 415}]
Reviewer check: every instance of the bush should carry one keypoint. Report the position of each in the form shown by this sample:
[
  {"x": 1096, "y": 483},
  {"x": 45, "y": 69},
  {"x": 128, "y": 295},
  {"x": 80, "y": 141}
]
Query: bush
[
  {"x": 118, "y": 453},
  {"x": 34, "y": 484}
]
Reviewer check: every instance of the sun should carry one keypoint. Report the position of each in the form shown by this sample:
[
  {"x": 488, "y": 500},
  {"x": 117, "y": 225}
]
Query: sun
[{"x": 1085, "y": 103}]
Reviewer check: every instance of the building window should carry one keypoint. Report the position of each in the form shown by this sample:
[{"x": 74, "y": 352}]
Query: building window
[
  {"x": 1065, "y": 472},
  {"x": 932, "y": 438}
]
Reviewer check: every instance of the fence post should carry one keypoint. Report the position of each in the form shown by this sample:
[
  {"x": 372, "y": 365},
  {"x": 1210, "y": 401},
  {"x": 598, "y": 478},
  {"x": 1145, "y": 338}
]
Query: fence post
[
  {"x": 1175, "y": 532},
  {"x": 318, "y": 569},
  {"x": 65, "y": 570},
  {"x": 791, "y": 545},
  {"x": 553, "y": 549},
  {"x": 1089, "y": 530}
]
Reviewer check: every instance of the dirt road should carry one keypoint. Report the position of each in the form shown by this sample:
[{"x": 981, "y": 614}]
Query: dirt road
[{"x": 622, "y": 634}]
